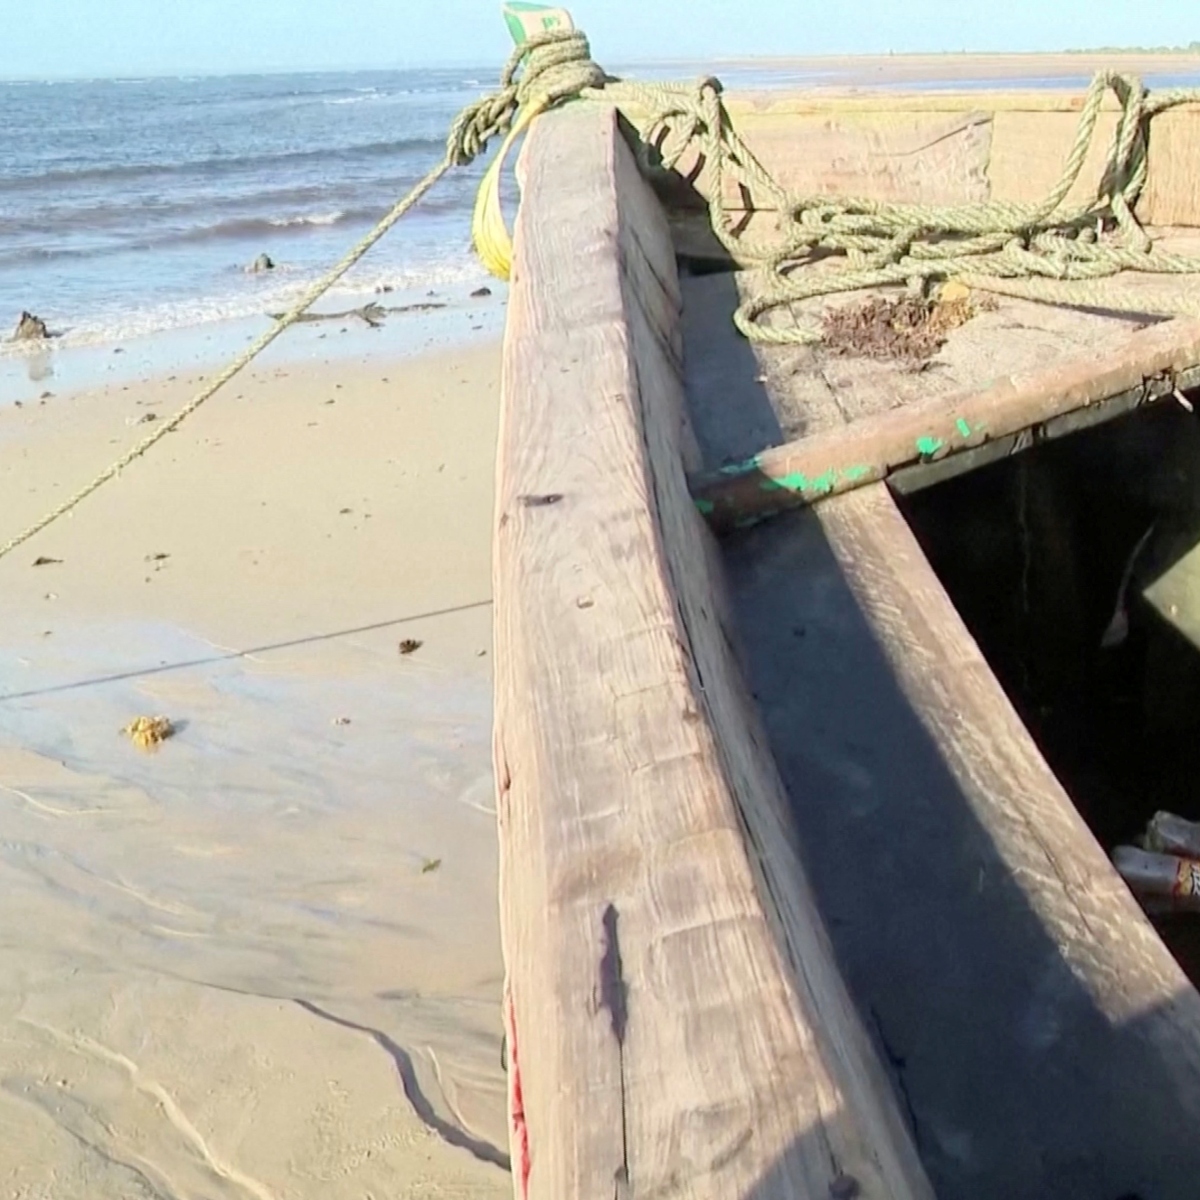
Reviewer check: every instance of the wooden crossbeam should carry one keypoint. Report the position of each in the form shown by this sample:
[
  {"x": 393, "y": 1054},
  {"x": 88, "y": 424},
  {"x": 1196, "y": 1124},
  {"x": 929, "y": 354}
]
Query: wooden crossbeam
[{"x": 974, "y": 426}]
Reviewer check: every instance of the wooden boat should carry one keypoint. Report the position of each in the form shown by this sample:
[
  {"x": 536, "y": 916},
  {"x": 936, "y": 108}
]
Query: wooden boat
[{"x": 793, "y": 904}]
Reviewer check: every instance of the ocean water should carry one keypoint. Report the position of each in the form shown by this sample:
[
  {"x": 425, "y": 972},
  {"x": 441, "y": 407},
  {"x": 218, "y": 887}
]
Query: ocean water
[{"x": 133, "y": 206}]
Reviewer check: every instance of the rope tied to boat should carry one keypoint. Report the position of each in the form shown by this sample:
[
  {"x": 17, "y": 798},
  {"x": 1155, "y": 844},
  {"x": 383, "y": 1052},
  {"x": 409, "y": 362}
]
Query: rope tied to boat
[
  {"x": 1046, "y": 250},
  {"x": 539, "y": 73},
  {"x": 546, "y": 69},
  {"x": 1022, "y": 250}
]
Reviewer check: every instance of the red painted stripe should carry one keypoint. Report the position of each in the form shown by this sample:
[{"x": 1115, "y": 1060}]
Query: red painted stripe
[{"x": 516, "y": 1106}]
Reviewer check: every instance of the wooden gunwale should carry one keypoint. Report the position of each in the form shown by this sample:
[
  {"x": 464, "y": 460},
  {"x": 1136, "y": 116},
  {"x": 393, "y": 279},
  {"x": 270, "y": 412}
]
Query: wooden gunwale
[
  {"x": 979, "y": 426},
  {"x": 676, "y": 1023}
]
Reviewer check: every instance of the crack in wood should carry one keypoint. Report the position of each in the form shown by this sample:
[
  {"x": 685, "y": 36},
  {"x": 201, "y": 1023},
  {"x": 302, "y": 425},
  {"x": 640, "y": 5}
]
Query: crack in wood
[{"x": 614, "y": 999}]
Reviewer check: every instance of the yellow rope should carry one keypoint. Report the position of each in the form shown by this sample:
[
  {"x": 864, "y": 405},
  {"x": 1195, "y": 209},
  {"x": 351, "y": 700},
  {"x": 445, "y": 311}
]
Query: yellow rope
[
  {"x": 552, "y": 68},
  {"x": 489, "y": 234},
  {"x": 1030, "y": 250}
]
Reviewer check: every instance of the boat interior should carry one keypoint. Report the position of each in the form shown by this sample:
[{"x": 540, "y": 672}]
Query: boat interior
[
  {"x": 960, "y": 687},
  {"x": 1003, "y": 1062}
]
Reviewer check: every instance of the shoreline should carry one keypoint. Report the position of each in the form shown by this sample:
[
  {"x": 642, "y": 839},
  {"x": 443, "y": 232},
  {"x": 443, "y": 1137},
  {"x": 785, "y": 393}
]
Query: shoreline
[
  {"x": 435, "y": 322},
  {"x": 486, "y": 71},
  {"x": 382, "y": 441}
]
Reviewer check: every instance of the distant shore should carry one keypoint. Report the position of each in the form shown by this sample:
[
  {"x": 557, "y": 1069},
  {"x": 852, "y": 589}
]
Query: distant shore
[{"x": 851, "y": 70}]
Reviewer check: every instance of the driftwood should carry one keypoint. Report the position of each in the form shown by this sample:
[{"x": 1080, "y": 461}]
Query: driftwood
[{"x": 372, "y": 314}]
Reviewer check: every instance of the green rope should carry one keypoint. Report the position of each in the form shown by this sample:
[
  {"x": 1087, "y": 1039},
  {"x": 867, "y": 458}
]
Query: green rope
[
  {"x": 1044, "y": 250},
  {"x": 1017, "y": 249}
]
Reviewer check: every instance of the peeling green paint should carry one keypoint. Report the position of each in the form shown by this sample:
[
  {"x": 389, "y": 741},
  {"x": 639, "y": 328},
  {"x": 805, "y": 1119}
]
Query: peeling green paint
[
  {"x": 797, "y": 481},
  {"x": 927, "y": 446},
  {"x": 794, "y": 481},
  {"x": 964, "y": 426},
  {"x": 705, "y": 506},
  {"x": 819, "y": 485},
  {"x": 823, "y": 483}
]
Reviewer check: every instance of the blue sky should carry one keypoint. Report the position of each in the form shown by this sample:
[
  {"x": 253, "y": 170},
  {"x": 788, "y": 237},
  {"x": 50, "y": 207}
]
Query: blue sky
[{"x": 47, "y": 38}]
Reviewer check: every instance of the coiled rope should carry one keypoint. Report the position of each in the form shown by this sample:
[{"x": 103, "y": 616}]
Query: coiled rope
[
  {"x": 1046, "y": 250},
  {"x": 1030, "y": 250}
]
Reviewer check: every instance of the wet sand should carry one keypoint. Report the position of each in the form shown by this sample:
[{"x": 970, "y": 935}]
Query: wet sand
[{"x": 262, "y": 961}]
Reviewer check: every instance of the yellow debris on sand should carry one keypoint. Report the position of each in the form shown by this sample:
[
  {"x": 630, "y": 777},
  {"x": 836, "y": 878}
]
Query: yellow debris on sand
[{"x": 148, "y": 732}]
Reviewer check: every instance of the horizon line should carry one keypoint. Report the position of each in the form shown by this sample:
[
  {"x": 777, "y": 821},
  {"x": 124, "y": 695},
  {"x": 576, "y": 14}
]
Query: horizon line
[{"x": 1189, "y": 51}]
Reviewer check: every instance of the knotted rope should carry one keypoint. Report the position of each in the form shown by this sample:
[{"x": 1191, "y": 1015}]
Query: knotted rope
[
  {"x": 1046, "y": 250},
  {"x": 1018, "y": 249}
]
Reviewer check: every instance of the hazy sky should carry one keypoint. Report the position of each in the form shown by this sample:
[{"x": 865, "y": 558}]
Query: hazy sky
[{"x": 43, "y": 38}]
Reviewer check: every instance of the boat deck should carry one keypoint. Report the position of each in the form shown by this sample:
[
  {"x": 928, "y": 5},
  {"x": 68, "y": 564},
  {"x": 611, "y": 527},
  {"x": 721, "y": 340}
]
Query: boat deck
[
  {"x": 1041, "y": 1042},
  {"x": 806, "y": 390}
]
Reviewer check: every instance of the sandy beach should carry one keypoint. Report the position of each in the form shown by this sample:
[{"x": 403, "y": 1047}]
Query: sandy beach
[{"x": 263, "y": 960}]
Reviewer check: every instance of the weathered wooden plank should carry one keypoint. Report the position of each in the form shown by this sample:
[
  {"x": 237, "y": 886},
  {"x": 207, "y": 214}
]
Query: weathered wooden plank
[
  {"x": 908, "y": 480},
  {"x": 1149, "y": 365},
  {"x": 1047, "y": 1042},
  {"x": 917, "y": 157},
  {"x": 906, "y": 80},
  {"x": 743, "y": 103},
  {"x": 1029, "y": 1010},
  {"x": 1172, "y": 195},
  {"x": 1029, "y": 149},
  {"x": 676, "y": 1024},
  {"x": 812, "y": 390},
  {"x": 952, "y": 148}
]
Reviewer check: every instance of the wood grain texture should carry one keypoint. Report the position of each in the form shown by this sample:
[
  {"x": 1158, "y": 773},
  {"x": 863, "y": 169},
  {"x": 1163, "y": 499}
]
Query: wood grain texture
[
  {"x": 814, "y": 391},
  {"x": 1042, "y": 838},
  {"x": 1147, "y": 366},
  {"x": 915, "y": 157},
  {"x": 1172, "y": 195},
  {"x": 1029, "y": 148},
  {"x": 677, "y": 1026}
]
